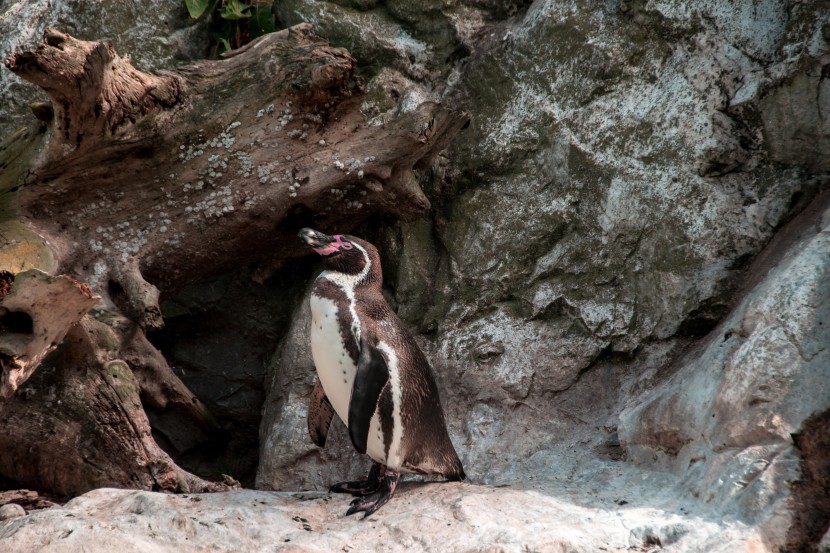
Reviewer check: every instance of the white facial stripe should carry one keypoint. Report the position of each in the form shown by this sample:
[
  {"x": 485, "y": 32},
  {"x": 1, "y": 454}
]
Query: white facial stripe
[
  {"x": 393, "y": 458},
  {"x": 348, "y": 283}
]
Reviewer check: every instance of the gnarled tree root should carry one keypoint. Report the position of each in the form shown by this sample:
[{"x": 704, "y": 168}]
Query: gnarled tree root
[{"x": 79, "y": 424}]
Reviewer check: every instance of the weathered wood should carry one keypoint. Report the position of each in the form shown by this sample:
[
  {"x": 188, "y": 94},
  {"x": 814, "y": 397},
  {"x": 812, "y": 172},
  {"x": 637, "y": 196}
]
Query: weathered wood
[
  {"x": 36, "y": 311},
  {"x": 79, "y": 424},
  {"x": 28, "y": 499},
  {"x": 215, "y": 164}
]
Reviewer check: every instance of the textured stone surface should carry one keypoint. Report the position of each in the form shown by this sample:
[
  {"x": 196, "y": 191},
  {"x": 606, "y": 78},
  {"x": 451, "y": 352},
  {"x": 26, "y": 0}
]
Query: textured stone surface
[
  {"x": 447, "y": 517},
  {"x": 11, "y": 510},
  {"x": 583, "y": 288},
  {"x": 219, "y": 335},
  {"x": 422, "y": 40},
  {"x": 617, "y": 135},
  {"x": 591, "y": 228},
  {"x": 824, "y": 545},
  {"x": 725, "y": 420}
]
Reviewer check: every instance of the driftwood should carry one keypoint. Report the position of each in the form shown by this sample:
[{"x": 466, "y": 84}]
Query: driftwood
[
  {"x": 36, "y": 311},
  {"x": 136, "y": 185}
]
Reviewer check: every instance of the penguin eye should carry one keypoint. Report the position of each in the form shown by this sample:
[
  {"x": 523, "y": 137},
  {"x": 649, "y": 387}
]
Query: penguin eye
[{"x": 346, "y": 246}]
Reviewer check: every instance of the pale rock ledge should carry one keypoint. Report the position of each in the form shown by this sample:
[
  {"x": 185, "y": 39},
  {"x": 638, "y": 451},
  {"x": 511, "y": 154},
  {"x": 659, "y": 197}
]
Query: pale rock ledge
[{"x": 445, "y": 517}]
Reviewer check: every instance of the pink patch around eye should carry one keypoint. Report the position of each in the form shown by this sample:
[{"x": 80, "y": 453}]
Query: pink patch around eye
[{"x": 337, "y": 245}]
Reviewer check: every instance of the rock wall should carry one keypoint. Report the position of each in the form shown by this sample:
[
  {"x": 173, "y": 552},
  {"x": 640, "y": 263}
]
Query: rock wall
[
  {"x": 725, "y": 421},
  {"x": 614, "y": 304},
  {"x": 584, "y": 287}
]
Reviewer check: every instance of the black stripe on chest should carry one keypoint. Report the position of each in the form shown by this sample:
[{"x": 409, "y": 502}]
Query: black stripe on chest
[
  {"x": 324, "y": 288},
  {"x": 387, "y": 419}
]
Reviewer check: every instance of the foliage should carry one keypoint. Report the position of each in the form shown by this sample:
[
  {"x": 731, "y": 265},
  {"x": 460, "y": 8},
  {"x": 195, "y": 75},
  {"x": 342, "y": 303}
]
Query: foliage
[{"x": 235, "y": 22}]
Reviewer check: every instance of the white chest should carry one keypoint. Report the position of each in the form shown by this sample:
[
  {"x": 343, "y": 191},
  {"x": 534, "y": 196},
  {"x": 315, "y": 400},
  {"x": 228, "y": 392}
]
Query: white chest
[
  {"x": 334, "y": 365},
  {"x": 336, "y": 369}
]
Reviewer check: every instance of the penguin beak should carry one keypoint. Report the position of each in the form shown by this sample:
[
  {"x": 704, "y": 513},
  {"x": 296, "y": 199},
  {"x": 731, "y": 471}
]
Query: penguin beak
[{"x": 316, "y": 240}]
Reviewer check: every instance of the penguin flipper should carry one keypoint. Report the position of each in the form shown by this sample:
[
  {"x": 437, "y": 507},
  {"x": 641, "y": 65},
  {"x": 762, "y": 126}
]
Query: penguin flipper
[
  {"x": 372, "y": 375},
  {"x": 320, "y": 413}
]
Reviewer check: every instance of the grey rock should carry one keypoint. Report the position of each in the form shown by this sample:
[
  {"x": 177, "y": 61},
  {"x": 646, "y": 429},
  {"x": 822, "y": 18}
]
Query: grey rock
[
  {"x": 824, "y": 544},
  {"x": 220, "y": 359},
  {"x": 792, "y": 113},
  {"x": 590, "y": 177},
  {"x": 219, "y": 335},
  {"x": 755, "y": 29},
  {"x": 418, "y": 39},
  {"x": 447, "y": 517},
  {"x": 624, "y": 164},
  {"x": 646, "y": 536},
  {"x": 725, "y": 420},
  {"x": 11, "y": 510},
  {"x": 371, "y": 35}
]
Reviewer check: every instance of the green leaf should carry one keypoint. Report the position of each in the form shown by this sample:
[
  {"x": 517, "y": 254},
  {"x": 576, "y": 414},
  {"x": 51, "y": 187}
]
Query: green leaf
[
  {"x": 262, "y": 22},
  {"x": 197, "y": 7},
  {"x": 226, "y": 46},
  {"x": 224, "y": 35},
  {"x": 234, "y": 9}
]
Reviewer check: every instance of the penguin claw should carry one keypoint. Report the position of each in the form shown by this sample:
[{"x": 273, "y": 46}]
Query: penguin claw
[
  {"x": 370, "y": 503},
  {"x": 371, "y": 493},
  {"x": 361, "y": 488}
]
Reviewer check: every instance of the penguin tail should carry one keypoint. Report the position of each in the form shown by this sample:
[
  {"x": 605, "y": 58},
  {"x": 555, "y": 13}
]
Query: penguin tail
[
  {"x": 457, "y": 476},
  {"x": 456, "y": 471},
  {"x": 443, "y": 462}
]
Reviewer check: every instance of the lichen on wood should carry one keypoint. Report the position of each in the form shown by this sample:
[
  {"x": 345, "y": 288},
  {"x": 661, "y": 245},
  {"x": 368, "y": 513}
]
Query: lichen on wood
[{"x": 205, "y": 171}]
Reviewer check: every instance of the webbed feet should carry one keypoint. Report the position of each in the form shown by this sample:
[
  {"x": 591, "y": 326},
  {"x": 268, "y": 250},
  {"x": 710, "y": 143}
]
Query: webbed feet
[{"x": 372, "y": 493}]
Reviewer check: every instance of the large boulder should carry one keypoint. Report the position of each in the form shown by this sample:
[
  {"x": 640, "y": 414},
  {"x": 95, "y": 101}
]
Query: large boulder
[
  {"x": 726, "y": 420},
  {"x": 454, "y": 517},
  {"x": 598, "y": 219}
]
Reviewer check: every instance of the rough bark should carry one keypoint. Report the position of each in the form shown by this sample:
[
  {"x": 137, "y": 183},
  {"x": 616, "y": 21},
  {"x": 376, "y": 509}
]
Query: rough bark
[
  {"x": 199, "y": 170},
  {"x": 79, "y": 424},
  {"x": 36, "y": 311},
  {"x": 139, "y": 184}
]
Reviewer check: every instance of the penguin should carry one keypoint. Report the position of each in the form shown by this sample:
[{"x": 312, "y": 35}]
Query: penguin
[{"x": 373, "y": 375}]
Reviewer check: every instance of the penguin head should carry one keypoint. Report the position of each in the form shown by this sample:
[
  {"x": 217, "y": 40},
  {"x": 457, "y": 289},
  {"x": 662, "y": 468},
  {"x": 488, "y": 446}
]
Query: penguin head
[{"x": 345, "y": 254}]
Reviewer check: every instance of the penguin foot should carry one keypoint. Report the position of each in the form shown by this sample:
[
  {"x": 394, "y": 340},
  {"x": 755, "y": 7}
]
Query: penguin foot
[
  {"x": 357, "y": 488},
  {"x": 368, "y": 504},
  {"x": 362, "y": 487}
]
